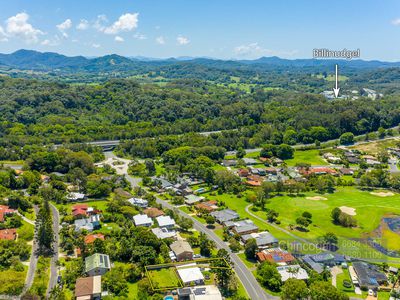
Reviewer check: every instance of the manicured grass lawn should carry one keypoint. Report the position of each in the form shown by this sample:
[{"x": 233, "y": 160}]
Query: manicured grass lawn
[
  {"x": 390, "y": 240},
  {"x": 369, "y": 209},
  {"x": 249, "y": 263},
  {"x": 99, "y": 204},
  {"x": 164, "y": 278},
  {"x": 306, "y": 156},
  {"x": 185, "y": 209},
  {"x": 26, "y": 232}
]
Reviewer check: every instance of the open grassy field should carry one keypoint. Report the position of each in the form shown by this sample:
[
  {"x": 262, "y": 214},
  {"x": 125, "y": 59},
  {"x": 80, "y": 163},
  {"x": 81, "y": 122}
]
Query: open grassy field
[
  {"x": 374, "y": 147},
  {"x": 369, "y": 211},
  {"x": 306, "y": 156},
  {"x": 164, "y": 278}
]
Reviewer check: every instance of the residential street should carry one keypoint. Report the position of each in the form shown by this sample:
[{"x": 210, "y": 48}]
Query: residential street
[
  {"x": 54, "y": 259},
  {"x": 253, "y": 288},
  {"x": 33, "y": 260}
]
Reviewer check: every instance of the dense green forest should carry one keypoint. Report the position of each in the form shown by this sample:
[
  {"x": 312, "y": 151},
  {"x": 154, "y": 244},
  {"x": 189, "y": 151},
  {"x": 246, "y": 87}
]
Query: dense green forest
[{"x": 34, "y": 113}]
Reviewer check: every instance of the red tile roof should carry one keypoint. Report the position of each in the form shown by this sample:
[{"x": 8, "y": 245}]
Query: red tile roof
[
  {"x": 4, "y": 211},
  {"x": 276, "y": 256},
  {"x": 243, "y": 172},
  {"x": 79, "y": 209},
  {"x": 89, "y": 239},
  {"x": 209, "y": 205},
  {"x": 8, "y": 234}
]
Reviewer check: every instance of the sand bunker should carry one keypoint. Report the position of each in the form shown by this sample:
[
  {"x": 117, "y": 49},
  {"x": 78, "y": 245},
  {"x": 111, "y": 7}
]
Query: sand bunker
[
  {"x": 316, "y": 198},
  {"x": 348, "y": 210},
  {"x": 382, "y": 194}
]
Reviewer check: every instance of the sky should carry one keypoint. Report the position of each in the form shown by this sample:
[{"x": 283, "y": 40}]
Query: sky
[{"x": 227, "y": 29}]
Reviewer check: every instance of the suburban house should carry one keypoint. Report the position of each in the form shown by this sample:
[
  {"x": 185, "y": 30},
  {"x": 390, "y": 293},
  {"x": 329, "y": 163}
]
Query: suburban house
[
  {"x": 138, "y": 202},
  {"x": 192, "y": 199},
  {"x": 241, "y": 227},
  {"x": 318, "y": 262},
  {"x": 275, "y": 255},
  {"x": 153, "y": 212},
  {"x": 95, "y": 220},
  {"x": 222, "y": 216},
  {"x": 190, "y": 274},
  {"x": 263, "y": 239},
  {"x": 243, "y": 172},
  {"x": 142, "y": 220},
  {"x": 73, "y": 196},
  {"x": 332, "y": 158},
  {"x": 182, "y": 250},
  {"x": 83, "y": 224},
  {"x": 79, "y": 210},
  {"x": 317, "y": 171},
  {"x": 293, "y": 271},
  {"x": 229, "y": 162},
  {"x": 90, "y": 238},
  {"x": 8, "y": 234},
  {"x": 164, "y": 233},
  {"x": 346, "y": 171},
  {"x": 97, "y": 264},
  {"x": 368, "y": 276},
  {"x": 5, "y": 211},
  {"x": 208, "y": 206},
  {"x": 165, "y": 222},
  {"x": 204, "y": 292},
  {"x": 88, "y": 288},
  {"x": 249, "y": 161}
]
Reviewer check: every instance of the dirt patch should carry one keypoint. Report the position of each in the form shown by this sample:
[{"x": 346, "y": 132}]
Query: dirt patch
[
  {"x": 382, "y": 194},
  {"x": 348, "y": 210},
  {"x": 316, "y": 198}
]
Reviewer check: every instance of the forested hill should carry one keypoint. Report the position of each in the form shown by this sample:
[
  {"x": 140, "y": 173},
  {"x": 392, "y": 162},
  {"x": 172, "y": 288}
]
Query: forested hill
[
  {"x": 299, "y": 74},
  {"x": 49, "y": 61},
  {"x": 41, "y": 112}
]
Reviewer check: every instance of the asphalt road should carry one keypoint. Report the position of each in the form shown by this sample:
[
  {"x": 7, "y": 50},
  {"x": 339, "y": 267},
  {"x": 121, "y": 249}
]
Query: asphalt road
[
  {"x": 54, "y": 258},
  {"x": 254, "y": 290},
  {"x": 33, "y": 261}
]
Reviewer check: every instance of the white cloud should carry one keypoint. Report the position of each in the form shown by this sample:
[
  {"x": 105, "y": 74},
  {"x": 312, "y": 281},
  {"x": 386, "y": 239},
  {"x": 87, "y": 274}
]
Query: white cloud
[
  {"x": 45, "y": 42},
  {"x": 83, "y": 25},
  {"x": 160, "y": 40},
  {"x": 96, "y": 46},
  {"x": 100, "y": 22},
  {"x": 253, "y": 50},
  {"x": 182, "y": 40},
  {"x": 140, "y": 36},
  {"x": 396, "y": 22},
  {"x": 18, "y": 26},
  {"x": 64, "y": 26},
  {"x": 126, "y": 22},
  {"x": 119, "y": 39},
  {"x": 3, "y": 35}
]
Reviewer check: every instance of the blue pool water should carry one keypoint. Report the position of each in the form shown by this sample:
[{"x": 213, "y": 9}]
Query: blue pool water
[{"x": 169, "y": 298}]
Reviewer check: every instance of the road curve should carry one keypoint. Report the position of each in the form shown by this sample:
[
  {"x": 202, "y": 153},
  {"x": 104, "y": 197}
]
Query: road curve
[{"x": 253, "y": 288}]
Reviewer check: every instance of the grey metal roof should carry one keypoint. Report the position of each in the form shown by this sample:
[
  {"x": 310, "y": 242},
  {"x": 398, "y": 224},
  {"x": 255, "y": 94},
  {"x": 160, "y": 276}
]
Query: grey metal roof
[{"x": 225, "y": 215}]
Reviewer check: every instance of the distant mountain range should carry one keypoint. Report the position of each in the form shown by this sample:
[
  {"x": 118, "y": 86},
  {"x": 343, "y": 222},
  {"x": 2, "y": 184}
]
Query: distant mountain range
[{"x": 53, "y": 62}]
